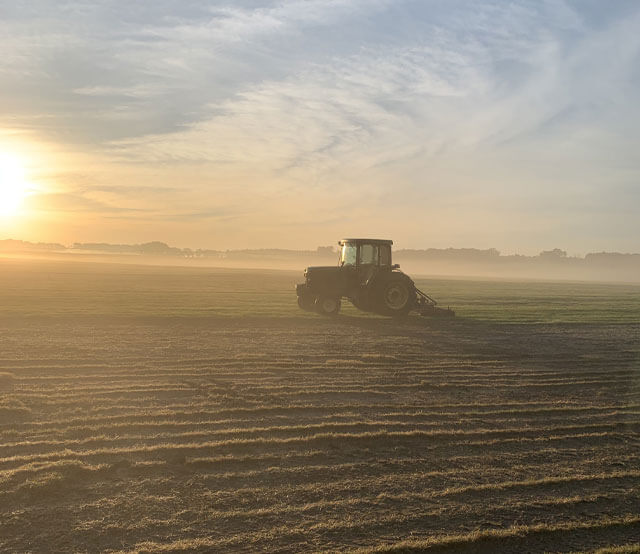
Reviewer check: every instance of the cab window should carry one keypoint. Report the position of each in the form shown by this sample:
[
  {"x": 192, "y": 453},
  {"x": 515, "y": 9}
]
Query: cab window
[
  {"x": 369, "y": 254},
  {"x": 385, "y": 255},
  {"x": 348, "y": 254}
]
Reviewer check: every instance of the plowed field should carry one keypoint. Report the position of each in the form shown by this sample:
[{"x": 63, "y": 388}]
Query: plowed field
[{"x": 152, "y": 409}]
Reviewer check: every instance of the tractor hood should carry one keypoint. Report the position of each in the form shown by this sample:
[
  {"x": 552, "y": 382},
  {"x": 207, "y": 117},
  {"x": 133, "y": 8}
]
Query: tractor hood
[
  {"x": 321, "y": 271},
  {"x": 326, "y": 281}
]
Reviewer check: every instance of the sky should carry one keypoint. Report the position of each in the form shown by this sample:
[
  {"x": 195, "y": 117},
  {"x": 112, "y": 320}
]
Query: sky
[{"x": 437, "y": 123}]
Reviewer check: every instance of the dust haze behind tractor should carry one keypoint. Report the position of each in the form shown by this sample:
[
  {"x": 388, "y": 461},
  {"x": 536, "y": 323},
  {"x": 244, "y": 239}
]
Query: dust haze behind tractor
[{"x": 368, "y": 278}]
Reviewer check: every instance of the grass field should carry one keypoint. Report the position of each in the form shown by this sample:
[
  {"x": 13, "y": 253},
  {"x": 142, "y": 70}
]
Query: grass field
[{"x": 147, "y": 409}]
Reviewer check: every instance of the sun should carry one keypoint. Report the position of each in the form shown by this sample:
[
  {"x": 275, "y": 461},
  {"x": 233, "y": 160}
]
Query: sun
[{"x": 13, "y": 186}]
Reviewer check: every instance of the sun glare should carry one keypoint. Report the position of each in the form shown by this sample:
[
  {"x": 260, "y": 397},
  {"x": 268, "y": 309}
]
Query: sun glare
[{"x": 13, "y": 186}]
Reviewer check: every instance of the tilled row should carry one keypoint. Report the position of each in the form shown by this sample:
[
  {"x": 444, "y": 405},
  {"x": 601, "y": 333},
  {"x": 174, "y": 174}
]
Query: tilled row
[
  {"x": 307, "y": 466},
  {"x": 424, "y": 443},
  {"x": 357, "y": 520},
  {"x": 340, "y": 432},
  {"x": 152, "y": 426},
  {"x": 199, "y": 408}
]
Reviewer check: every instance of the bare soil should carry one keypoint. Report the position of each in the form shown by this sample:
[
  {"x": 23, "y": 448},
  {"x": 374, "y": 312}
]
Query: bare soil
[{"x": 186, "y": 433}]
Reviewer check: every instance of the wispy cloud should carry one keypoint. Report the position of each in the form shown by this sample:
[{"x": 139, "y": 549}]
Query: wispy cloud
[
  {"x": 73, "y": 203},
  {"x": 458, "y": 89}
]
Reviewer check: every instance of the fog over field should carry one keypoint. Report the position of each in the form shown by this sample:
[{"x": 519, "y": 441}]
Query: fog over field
[{"x": 451, "y": 262}]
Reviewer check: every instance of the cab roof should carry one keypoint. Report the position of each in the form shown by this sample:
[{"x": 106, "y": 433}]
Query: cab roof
[{"x": 365, "y": 241}]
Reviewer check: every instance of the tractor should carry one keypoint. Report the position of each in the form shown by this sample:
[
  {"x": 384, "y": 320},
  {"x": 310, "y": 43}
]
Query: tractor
[{"x": 366, "y": 276}]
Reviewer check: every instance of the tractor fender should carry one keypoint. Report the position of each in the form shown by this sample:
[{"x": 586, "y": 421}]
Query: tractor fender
[{"x": 384, "y": 276}]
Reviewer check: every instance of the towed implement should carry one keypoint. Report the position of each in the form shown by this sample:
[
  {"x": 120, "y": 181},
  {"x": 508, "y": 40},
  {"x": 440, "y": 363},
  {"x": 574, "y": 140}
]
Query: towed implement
[{"x": 366, "y": 277}]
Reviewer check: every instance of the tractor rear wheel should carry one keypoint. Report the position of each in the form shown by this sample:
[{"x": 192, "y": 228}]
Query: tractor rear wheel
[
  {"x": 327, "y": 305},
  {"x": 395, "y": 296}
]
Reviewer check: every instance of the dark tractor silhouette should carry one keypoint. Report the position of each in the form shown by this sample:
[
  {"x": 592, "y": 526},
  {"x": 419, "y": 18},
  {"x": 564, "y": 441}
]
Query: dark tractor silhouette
[{"x": 366, "y": 276}]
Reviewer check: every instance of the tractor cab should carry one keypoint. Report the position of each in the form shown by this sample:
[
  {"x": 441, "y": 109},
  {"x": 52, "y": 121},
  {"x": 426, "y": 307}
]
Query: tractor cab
[
  {"x": 365, "y": 258},
  {"x": 365, "y": 252}
]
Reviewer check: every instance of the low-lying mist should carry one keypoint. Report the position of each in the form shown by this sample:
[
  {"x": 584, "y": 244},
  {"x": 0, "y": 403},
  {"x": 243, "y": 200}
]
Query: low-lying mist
[{"x": 454, "y": 262}]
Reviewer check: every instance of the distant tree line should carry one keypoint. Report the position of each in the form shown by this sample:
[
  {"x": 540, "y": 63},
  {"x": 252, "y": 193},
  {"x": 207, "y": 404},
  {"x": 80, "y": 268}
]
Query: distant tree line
[
  {"x": 157, "y": 248},
  {"x": 154, "y": 248},
  {"x": 12, "y": 245}
]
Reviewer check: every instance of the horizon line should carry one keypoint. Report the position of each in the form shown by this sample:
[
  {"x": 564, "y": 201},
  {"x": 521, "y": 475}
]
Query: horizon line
[{"x": 555, "y": 252}]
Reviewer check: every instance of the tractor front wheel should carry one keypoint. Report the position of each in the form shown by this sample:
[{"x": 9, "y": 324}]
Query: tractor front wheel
[{"x": 327, "y": 305}]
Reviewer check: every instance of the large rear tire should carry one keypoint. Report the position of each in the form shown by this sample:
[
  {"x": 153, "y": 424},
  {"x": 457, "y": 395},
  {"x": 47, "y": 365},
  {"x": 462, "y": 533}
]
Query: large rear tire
[
  {"x": 327, "y": 305},
  {"x": 395, "y": 296}
]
